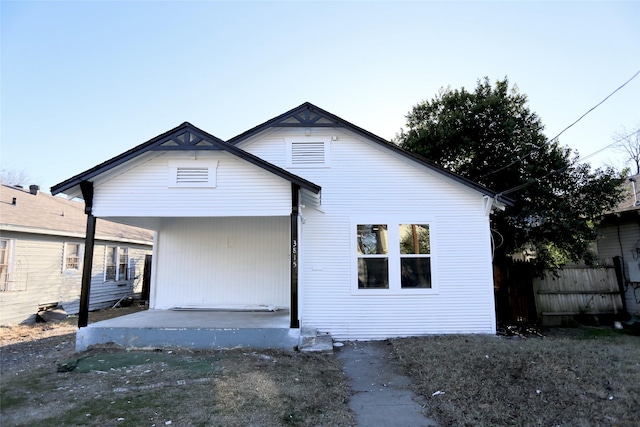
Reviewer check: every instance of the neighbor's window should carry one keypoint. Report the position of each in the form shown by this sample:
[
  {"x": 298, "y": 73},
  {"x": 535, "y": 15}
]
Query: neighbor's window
[
  {"x": 373, "y": 261},
  {"x": 5, "y": 264},
  {"x": 123, "y": 264},
  {"x": 415, "y": 256},
  {"x": 110, "y": 263},
  {"x": 116, "y": 264},
  {"x": 72, "y": 255}
]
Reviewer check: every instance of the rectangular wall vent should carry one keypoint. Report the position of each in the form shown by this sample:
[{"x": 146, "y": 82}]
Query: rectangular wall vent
[
  {"x": 307, "y": 153},
  {"x": 192, "y": 175}
]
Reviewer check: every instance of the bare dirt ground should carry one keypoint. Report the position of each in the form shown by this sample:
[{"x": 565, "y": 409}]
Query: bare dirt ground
[
  {"x": 571, "y": 377},
  {"x": 44, "y": 382}
]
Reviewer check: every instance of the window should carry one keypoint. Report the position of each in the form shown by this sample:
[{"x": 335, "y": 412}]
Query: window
[
  {"x": 72, "y": 256},
  {"x": 393, "y": 257},
  {"x": 415, "y": 253},
  {"x": 192, "y": 173},
  {"x": 5, "y": 264},
  {"x": 308, "y": 152},
  {"x": 123, "y": 264},
  {"x": 110, "y": 264},
  {"x": 116, "y": 264},
  {"x": 373, "y": 260}
]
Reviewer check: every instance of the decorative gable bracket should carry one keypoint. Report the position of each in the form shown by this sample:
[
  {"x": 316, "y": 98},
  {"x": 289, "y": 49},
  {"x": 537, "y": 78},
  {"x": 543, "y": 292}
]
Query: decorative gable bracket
[
  {"x": 186, "y": 140},
  {"x": 306, "y": 117}
]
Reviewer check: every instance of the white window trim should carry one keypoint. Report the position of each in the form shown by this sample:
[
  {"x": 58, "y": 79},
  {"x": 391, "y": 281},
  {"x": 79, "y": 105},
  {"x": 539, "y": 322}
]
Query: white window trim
[
  {"x": 393, "y": 236},
  {"x": 325, "y": 140},
  {"x": 175, "y": 165},
  {"x": 80, "y": 257}
]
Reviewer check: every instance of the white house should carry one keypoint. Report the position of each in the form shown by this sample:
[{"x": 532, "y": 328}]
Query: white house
[
  {"x": 309, "y": 213},
  {"x": 41, "y": 256}
]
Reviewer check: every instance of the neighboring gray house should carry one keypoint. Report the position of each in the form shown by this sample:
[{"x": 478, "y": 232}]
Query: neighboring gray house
[
  {"x": 620, "y": 237},
  {"x": 307, "y": 213},
  {"x": 42, "y": 240}
]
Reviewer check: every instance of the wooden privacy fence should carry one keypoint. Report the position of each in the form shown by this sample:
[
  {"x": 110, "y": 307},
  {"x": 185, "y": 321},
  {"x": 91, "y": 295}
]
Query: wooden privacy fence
[{"x": 577, "y": 290}]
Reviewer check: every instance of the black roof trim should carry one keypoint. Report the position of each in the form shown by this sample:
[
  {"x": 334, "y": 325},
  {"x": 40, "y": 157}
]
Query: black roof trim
[
  {"x": 187, "y": 144},
  {"x": 306, "y": 110}
]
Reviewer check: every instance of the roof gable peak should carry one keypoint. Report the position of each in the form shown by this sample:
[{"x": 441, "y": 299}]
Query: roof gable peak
[{"x": 187, "y": 137}]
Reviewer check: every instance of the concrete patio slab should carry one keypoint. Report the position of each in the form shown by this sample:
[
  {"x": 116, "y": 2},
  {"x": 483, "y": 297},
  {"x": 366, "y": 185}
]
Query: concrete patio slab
[{"x": 192, "y": 329}]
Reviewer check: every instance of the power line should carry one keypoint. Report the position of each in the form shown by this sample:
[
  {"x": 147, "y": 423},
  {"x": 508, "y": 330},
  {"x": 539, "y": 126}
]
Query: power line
[
  {"x": 582, "y": 159},
  {"x": 578, "y": 160},
  {"x": 519, "y": 159}
]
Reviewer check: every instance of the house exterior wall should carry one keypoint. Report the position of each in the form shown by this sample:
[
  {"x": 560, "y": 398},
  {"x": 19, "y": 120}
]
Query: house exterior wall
[
  {"x": 38, "y": 267},
  {"x": 241, "y": 189},
  {"x": 222, "y": 263},
  {"x": 366, "y": 183},
  {"x": 622, "y": 240}
]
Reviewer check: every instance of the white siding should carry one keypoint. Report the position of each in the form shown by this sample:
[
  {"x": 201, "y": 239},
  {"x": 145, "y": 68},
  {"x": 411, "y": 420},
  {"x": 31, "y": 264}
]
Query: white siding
[
  {"x": 367, "y": 180},
  {"x": 616, "y": 242},
  {"x": 242, "y": 189},
  {"x": 38, "y": 262},
  {"x": 222, "y": 262}
]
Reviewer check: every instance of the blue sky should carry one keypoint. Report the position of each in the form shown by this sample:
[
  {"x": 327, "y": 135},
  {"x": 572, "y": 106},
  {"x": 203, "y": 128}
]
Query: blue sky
[{"x": 84, "y": 81}]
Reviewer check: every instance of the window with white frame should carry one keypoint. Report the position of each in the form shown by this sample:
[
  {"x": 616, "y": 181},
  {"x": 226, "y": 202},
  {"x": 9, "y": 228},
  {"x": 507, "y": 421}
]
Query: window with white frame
[
  {"x": 373, "y": 256},
  {"x": 395, "y": 256},
  {"x": 308, "y": 152},
  {"x": 72, "y": 256},
  {"x": 415, "y": 256},
  {"x": 116, "y": 265},
  {"x": 6, "y": 258},
  {"x": 123, "y": 264},
  {"x": 192, "y": 173}
]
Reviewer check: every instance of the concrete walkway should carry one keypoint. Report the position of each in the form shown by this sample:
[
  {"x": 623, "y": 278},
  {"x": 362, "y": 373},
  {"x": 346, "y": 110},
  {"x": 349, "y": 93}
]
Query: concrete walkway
[{"x": 381, "y": 394}]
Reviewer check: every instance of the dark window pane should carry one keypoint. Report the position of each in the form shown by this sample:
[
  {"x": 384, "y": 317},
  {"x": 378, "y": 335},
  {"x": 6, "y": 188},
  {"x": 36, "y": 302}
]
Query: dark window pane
[
  {"x": 372, "y": 239},
  {"x": 110, "y": 273},
  {"x": 414, "y": 239},
  {"x": 416, "y": 272},
  {"x": 373, "y": 273}
]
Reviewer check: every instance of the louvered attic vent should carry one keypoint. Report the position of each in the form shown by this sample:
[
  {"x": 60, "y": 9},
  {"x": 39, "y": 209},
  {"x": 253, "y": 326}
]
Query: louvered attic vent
[
  {"x": 308, "y": 153},
  {"x": 185, "y": 175},
  {"x": 192, "y": 173}
]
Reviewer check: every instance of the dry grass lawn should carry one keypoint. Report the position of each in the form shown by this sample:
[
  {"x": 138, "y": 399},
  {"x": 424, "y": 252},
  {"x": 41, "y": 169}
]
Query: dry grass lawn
[
  {"x": 571, "y": 377},
  {"x": 107, "y": 387}
]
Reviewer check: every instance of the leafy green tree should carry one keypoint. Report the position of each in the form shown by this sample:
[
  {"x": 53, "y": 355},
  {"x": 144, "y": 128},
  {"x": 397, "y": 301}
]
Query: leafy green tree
[{"x": 491, "y": 137}]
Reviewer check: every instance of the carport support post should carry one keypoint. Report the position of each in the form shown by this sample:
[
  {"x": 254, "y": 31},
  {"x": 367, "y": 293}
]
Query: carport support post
[
  {"x": 87, "y": 193},
  {"x": 293, "y": 312}
]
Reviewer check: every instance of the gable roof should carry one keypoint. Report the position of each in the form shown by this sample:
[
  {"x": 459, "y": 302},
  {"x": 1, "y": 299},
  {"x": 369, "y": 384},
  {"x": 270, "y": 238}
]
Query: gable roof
[
  {"x": 308, "y": 115},
  {"x": 42, "y": 213},
  {"x": 185, "y": 137}
]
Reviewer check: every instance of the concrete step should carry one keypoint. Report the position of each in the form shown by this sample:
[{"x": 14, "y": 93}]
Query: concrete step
[{"x": 312, "y": 341}]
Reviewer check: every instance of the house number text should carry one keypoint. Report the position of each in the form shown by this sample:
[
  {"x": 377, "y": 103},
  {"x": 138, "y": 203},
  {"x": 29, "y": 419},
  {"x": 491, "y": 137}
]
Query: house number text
[{"x": 294, "y": 253}]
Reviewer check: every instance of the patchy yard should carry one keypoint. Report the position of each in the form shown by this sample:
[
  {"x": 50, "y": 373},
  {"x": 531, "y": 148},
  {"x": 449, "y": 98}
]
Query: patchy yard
[
  {"x": 581, "y": 376},
  {"x": 114, "y": 387},
  {"x": 584, "y": 376}
]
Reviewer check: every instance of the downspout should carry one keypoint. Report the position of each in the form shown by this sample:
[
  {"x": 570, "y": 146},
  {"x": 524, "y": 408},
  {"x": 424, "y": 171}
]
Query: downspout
[
  {"x": 295, "y": 200},
  {"x": 87, "y": 194}
]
